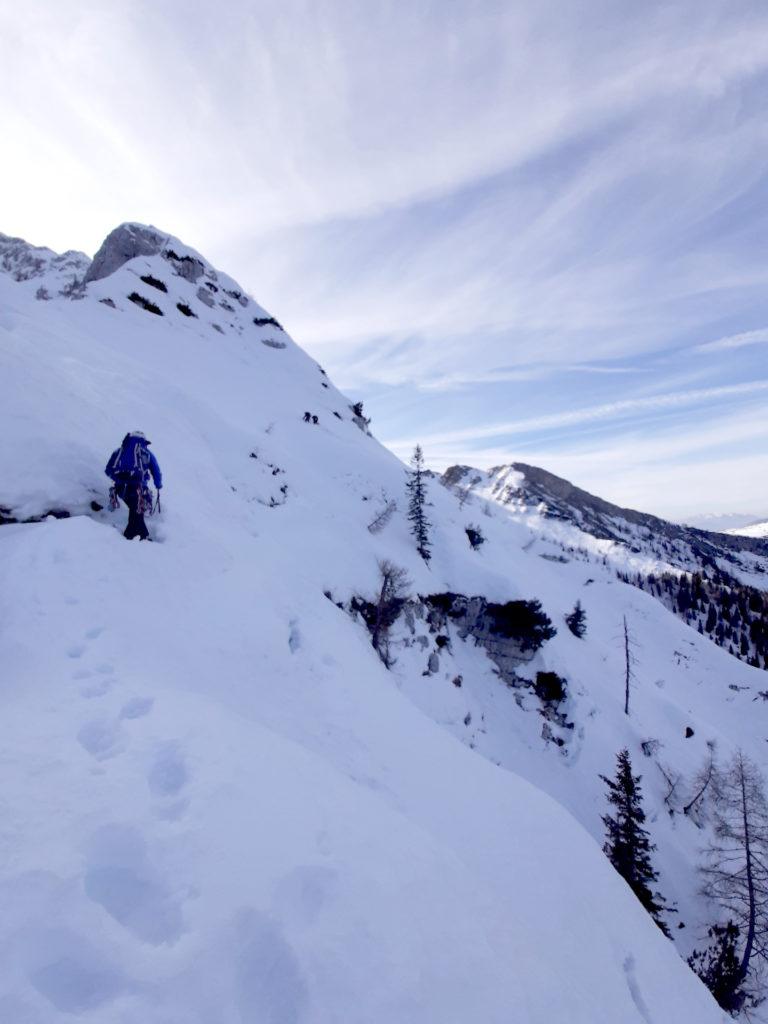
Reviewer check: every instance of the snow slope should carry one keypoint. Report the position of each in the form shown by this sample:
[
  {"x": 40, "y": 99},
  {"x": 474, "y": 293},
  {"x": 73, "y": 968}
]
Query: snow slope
[
  {"x": 219, "y": 805},
  {"x": 753, "y": 530},
  {"x": 727, "y": 522}
]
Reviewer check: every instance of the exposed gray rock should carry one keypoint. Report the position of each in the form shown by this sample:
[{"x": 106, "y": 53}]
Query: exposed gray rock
[
  {"x": 237, "y": 296},
  {"x": 205, "y": 296},
  {"x": 123, "y": 244},
  {"x": 188, "y": 267},
  {"x": 469, "y": 617},
  {"x": 24, "y": 262}
]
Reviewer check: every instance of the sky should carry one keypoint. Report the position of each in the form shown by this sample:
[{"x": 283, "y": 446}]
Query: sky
[{"x": 519, "y": 231}]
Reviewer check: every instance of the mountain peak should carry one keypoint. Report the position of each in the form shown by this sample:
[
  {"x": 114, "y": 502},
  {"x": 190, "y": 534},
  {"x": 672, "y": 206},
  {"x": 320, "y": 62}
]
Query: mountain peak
[
  {"x": 124, "y": 243},
  {"x": 139, "y": 266}
]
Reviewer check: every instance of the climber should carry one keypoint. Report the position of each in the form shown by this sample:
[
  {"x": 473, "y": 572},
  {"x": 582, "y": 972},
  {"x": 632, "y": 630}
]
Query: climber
[{"x": 129, "y": 467}]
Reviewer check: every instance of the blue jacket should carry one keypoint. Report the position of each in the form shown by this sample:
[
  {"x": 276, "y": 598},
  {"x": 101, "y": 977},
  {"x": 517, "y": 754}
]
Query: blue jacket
[{"x": 149, "y": 465}]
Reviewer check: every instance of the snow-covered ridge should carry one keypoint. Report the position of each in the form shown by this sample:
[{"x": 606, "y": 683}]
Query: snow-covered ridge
[
  {"x": 672, "y": 546},
  {"x": 219, "y": 804},
  {"x": 49, "y": 273},
  {"x": 141, "y": 267},
  {"x": 726, "y": 522},
  {"x": 759, "y": 530}
]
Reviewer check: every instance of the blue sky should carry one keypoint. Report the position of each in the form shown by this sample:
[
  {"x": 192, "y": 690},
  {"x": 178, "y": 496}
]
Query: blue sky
[{"x": 519, "y": 231}]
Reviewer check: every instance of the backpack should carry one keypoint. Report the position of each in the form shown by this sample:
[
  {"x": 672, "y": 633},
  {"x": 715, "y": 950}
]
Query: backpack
[{"x": 132, "y": 457}]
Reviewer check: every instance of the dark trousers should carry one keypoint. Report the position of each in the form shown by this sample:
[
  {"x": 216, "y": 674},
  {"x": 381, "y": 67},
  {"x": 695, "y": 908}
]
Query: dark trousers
[{"x": 129, "y": 491}]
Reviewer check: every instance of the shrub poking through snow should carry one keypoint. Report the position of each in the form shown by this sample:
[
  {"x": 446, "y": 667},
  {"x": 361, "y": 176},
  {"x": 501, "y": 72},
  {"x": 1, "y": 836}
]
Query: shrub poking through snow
[
  {"x": 719, "y": 967},
  {"x": 550, "y": 687},
  {"x": 576, "y": 620},
  {"x": 359, "y": 418},
  {"x": 150, "y": 307},
  {"x": 185, "y": 309},
  {"x": 523, "y": 621},
  {"x": 154, "y": 282},
  {"x": 266, "y": 321},
  {"x": 475, "y": 536}
]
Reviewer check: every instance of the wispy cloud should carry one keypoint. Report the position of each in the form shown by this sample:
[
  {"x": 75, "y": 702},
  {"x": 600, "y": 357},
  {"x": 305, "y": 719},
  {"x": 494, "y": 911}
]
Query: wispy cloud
[
  {"x": 508, "y": 375},
  {"x": 675, "y": 469},
  {"x": 607, "y": 411},
  {"x": 731, "y": 341}
]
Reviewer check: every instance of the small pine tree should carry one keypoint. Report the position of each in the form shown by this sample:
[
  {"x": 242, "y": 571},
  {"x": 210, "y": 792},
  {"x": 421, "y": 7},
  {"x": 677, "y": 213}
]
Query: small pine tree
[
  {"x": 417, "y": 501},
  {"x": 719, "y": 967},
  {"x": 627, "y": 844},
  {"x": 577, "y": 620}
]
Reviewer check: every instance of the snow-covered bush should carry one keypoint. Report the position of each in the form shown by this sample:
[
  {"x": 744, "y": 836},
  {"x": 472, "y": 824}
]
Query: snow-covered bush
[
  {"x": 550, "y": 687},
  {"x": 475, "y": 536}
]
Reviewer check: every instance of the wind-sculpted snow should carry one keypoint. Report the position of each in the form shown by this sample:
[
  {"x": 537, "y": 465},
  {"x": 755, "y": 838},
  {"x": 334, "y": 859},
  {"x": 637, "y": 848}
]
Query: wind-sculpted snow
[{"x": 219, "y": 805}]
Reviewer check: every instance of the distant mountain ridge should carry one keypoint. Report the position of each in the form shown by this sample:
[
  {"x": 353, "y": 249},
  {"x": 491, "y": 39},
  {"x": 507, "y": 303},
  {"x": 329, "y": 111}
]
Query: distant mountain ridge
[
  {"x": 721, "y": 522},
  {"x": 521, "y": 486}
]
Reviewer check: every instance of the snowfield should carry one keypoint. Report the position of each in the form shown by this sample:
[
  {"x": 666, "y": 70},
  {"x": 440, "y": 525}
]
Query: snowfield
[
  {"x": 753, "y": 530},
  {"x": 219, "y": 805}
]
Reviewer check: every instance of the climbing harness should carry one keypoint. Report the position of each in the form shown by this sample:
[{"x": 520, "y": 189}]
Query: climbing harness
[{"x": 146, "y": 504}]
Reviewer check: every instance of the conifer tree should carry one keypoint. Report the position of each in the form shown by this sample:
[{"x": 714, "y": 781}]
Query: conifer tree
[
  {"x": 627, "y": 844},
  {"x": 417, "y": 500},
  {"x": 577, "y": 620},
  {"x": 719, "y": 967}
]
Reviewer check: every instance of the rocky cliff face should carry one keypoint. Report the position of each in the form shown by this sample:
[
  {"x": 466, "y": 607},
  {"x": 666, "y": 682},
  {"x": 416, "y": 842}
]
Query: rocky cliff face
[{"x": 125, "y": 243}]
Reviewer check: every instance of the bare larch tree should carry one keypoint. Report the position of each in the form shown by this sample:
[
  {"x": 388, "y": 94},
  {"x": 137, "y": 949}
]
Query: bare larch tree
[
  {"x": 394, "y": 584},
  {"x": 736, "y": 869}
]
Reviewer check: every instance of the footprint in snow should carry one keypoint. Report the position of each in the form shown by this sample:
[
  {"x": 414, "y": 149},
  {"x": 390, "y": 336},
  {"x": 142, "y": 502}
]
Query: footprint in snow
[
  {"x": 95, "y": 633},
  {"x": 137, "y": 707},
  {"x": 294, "y": 636},
  {"x": 167, "y": 778},
  {"x": 269, "y": 984},
  {"x": 168, "y": 774},
  {"x": 121, "y": 878},
  {"x": 97, "y": 689},
  {"x": 301, "y": 895},
  {"x": 100, "y": 738},
  {"x": 70, "y": 974},
  {"x": 76, "y": 651}
]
